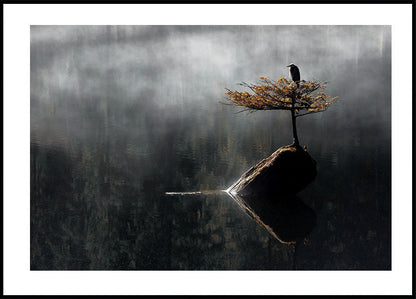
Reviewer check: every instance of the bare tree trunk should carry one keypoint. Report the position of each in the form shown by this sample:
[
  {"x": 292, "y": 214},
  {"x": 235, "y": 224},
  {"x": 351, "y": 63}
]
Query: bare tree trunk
[{"x": 295, "y": 132}]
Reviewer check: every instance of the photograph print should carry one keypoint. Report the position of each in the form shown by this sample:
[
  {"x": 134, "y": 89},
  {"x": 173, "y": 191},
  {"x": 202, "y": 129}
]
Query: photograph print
[{"x": 210, "y": 147}]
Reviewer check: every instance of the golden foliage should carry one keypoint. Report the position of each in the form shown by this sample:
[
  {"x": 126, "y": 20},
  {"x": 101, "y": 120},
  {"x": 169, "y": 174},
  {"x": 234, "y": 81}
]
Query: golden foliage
[{"x": 282, "y": 95}]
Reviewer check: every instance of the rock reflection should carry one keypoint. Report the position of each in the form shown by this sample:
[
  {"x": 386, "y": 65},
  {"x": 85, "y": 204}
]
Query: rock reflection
[{"x": 287, "y": 219}]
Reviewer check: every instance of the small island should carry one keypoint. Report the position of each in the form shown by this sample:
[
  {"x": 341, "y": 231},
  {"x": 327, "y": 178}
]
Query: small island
[
  {"x": 290, "y": 168},
  {"x": 287, "y": 171}
]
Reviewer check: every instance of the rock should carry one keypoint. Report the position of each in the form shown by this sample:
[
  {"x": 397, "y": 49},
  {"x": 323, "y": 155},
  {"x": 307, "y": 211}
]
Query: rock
[{"x": 286, "y": 172}]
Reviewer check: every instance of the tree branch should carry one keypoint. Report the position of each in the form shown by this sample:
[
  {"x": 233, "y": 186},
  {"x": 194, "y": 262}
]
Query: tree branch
[{"x": 309, "y": 113}]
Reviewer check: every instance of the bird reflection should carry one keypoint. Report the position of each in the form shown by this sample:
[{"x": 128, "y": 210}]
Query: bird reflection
[{"x": 287, "y": 219}]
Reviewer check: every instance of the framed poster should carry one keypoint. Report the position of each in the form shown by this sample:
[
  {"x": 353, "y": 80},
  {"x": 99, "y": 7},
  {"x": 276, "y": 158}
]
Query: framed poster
[{"x": 133, "y": 157}]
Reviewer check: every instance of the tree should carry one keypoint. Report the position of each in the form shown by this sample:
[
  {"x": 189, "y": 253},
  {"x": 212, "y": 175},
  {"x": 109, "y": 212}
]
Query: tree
[{"x": 283, "y": 95}]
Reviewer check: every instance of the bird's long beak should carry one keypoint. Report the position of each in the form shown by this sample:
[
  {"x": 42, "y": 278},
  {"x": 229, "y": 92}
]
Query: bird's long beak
[{"x": 288, "y": 66}]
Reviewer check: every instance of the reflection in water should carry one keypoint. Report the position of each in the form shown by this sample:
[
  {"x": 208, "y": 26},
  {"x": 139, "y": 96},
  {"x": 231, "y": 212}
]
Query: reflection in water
[
  {"x": 287, "y": 219},
  {"x": 207, "y": 192}
]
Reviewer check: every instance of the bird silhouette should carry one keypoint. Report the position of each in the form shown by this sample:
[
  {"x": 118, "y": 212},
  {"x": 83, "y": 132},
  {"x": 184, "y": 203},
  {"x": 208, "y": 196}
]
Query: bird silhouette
[{"x": 294, "y": 73}]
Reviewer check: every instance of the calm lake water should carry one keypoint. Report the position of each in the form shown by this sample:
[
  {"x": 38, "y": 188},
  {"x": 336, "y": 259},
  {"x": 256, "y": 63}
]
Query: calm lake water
[{"x": 120, "y": 115}]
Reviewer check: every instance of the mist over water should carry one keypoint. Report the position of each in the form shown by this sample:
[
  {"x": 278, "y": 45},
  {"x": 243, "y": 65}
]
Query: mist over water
[{"x": 122, "y": 114}]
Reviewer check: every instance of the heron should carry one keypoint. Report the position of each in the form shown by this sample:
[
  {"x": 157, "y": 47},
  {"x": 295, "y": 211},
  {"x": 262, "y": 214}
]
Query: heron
[{"x": 294, "y": 73}]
